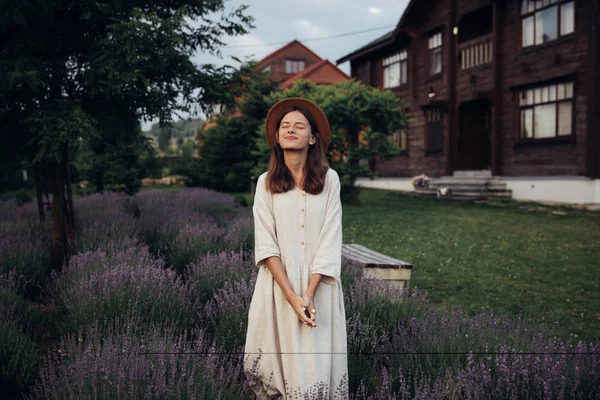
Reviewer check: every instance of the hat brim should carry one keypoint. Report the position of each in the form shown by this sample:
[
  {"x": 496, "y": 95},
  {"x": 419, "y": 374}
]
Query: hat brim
[{"x": 284, "y": 106}]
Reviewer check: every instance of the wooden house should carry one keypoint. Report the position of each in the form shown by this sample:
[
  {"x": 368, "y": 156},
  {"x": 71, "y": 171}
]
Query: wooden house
[{"x": 508, "y": 88}]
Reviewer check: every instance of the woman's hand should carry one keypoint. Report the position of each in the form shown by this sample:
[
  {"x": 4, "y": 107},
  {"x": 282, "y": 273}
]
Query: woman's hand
[
  {"x": 298, "y": 305},
  {"x": 309, "y": 303}
]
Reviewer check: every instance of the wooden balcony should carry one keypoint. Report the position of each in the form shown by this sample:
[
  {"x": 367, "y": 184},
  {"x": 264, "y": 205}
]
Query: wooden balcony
[{"x": 476, "y": 52}]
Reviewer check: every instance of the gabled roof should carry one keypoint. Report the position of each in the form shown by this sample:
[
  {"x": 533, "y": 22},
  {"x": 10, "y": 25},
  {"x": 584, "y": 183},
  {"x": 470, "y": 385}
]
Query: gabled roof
[
  {"x": 262, "y": 63},
  {"x": 384, "y": 40},
  {"x": 313, "y": 69}
]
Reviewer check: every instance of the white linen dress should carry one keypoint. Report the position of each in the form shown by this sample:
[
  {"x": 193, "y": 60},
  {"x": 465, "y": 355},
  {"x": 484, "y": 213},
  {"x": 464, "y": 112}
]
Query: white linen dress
[{"x": 284, "y": 358}]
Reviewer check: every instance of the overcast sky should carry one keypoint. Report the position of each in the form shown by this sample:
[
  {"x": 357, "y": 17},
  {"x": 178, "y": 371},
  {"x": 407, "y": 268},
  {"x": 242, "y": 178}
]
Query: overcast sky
[{"x": 281, "y": 21}]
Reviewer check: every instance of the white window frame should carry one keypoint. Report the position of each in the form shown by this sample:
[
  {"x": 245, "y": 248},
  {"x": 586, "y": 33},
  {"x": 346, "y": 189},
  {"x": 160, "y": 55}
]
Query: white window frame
[
  {"x": 435, "y": 44},
  {"x": 536, "y": 99},
  {"x": 294, "y": 66},
  {"x": 531, "y": 13},
  {"x": 397, "y": 62}
]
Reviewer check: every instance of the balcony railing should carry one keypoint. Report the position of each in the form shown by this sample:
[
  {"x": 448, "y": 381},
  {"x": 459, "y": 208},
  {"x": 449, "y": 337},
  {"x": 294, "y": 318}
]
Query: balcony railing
[{"x": 476, "y": 52}]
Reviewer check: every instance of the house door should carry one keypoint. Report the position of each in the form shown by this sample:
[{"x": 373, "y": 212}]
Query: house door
[{"x": 474, "y": 142}]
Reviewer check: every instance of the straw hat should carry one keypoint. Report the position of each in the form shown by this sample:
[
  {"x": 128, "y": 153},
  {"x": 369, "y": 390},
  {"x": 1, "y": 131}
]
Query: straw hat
[{"x": 286, "y": 105}]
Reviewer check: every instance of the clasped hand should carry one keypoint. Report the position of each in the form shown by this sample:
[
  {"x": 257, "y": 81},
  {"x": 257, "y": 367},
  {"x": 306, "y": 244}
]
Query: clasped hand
[{"x": 304, "y": 308}]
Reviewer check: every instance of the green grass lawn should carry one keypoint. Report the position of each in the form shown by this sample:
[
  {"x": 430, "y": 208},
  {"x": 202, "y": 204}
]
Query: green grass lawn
[{"x": 506, "y": 256}]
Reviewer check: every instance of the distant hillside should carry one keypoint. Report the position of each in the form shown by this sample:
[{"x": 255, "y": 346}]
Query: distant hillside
[{"x": 181, "y": 129}]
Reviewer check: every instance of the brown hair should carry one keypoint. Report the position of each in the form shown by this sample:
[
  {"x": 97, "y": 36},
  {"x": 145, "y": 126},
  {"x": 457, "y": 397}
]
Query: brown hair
[{"x": 279, "y": 178}]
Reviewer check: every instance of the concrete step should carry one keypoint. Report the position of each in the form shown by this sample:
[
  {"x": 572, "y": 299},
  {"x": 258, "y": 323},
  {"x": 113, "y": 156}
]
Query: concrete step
[
  {"x": 467, "y": 193},
  {"x": 468, "y": 185},
  {"x": 458, "y": 181},
  {"x": 468, "y": 188},
  {"x": 462, "y": 182},
  {"x": 484, "y": 173}
]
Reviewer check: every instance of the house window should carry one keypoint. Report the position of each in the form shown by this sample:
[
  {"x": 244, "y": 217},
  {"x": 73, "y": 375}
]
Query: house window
[
  {"x": 395, "y": 70},
  {"x": 435, "y": 54},
  {"x": 294, "y": 66},
  {"x": 400, "y": 139},
  {"x": 435, "y": 129},
  {"x": 267, "y": 68},
  {"x": 546, "y": 20},
  {"x": 547, "y": 111}
]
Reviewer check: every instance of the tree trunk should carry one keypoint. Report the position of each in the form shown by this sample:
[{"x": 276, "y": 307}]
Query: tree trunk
[
  {"x": 70, "y": 209},
  {"x": 59, "y": 237},
  {"x": 38, "y": 192}
]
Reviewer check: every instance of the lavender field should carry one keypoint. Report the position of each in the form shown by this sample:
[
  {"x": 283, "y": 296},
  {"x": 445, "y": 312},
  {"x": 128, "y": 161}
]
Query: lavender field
[{"x": 153, "y": 304}]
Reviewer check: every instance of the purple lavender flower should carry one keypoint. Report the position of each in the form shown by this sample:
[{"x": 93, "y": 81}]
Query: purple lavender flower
[
  {"x": 209, "y": 272},
  {"x": 156, "y": 294},
  {"x": 111, "y": 363}
]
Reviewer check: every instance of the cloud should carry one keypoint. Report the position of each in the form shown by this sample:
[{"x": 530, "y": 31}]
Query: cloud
[
  {"x": 243, "y": 47},
  {"x": 375, "y": 10},
  {"x": 307, "y": 29},
  {"x": 249, "y": 45}
]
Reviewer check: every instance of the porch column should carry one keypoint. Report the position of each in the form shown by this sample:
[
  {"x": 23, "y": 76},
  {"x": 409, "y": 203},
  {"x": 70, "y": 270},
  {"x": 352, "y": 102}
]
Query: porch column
[
  {"x": 496, "y": 136},
  {"x": 449, "y": 143}
]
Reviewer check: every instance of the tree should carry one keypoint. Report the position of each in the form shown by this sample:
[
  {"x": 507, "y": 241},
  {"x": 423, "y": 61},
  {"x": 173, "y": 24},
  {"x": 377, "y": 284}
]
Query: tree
[
  {"x": 113, "y": 162},
  {"x": 232, "y": 141},
  {"x": 361, "y": 120},
  {"x": 66, "y": 75},
  {"x": 225, "y": 155}
]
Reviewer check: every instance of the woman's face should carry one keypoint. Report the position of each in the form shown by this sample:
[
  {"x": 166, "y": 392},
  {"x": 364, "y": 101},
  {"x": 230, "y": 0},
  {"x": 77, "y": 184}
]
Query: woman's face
[{"x": 294, "y": 132}]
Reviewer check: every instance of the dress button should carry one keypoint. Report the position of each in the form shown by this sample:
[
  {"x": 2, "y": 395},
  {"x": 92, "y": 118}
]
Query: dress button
[
  {"x": 302, "y": 226},
  {"x": 302, "y": 210},
  {"x": 302, "y": 243}
]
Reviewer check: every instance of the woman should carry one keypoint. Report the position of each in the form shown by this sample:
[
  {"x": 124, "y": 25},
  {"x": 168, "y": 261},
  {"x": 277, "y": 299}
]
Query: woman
[{"x": 296, "y": 339}]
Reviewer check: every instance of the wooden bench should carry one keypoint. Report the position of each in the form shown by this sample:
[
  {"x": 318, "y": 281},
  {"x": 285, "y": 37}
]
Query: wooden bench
[{"x": 379, "y": 266}]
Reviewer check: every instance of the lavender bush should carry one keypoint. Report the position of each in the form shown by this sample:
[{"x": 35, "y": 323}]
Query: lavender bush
[
  {"x": 109, "y": 363},
  {"x": 96, "y": 232},
  {"x": 99, "y": 204},
  {"x": 227, "y": 313},
  {"x": 409, "y": 349},
  {"x": 240, "y": 234},
  {"x": 210, "y": 272},
  {"x": 128, "y": 252},
  {"x": 22, "y": 254},
  {"x": 154, "y": 294},
  {"x": 24, "y": 245},
  {"x": 11, "y": 300},
  {"x": 164, "y": 215},
  {"x": 18, "y": 359},
  {"x": 194, "y": 240}
]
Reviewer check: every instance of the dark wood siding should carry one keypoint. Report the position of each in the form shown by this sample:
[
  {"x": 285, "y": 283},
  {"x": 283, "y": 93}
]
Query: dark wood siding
[
  {"x": 499, "y": 84},
  {"x": 537, "y": 64}
]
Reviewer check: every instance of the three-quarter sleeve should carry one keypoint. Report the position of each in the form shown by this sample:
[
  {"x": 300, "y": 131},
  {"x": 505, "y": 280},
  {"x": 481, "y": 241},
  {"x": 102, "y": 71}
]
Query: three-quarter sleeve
[
  {"x": 265, "y": 232},
  {"x": 328, "y": 257}
]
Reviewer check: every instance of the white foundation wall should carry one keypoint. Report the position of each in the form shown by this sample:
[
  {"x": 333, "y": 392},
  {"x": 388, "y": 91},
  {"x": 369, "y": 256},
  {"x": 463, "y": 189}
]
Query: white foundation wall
[
  {"x": 402, "y": 184},
  {"x": 573, "y": 190}
]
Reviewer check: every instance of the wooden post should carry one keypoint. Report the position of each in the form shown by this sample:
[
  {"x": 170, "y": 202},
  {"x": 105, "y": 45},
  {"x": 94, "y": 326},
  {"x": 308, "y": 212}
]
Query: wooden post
[
  {"x": 449, "y": 147},
  {"x": 496, "y": 135}
]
